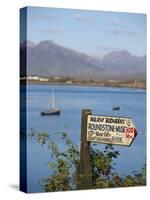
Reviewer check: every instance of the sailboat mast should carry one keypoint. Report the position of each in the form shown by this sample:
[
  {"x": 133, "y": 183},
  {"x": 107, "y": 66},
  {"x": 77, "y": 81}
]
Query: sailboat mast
[{"x": 53, "y": 101}]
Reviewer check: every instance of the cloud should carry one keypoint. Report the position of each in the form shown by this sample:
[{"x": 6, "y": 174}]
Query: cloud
[
  {"x": 82, "y": 18},
  {"x": 52, "y": 30},
  {"x": 122, "y": 32},
  {"x": 115, "y": 22}
]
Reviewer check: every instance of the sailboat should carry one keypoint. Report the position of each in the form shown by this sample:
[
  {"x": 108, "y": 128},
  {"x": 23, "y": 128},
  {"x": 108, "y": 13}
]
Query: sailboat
[{"x": 52, "y": 110}]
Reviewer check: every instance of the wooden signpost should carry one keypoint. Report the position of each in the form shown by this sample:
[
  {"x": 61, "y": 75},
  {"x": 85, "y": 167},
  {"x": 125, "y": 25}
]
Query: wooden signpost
[
  {"x": 105, "y": 130},
  {"x": 85, "y": 168}
]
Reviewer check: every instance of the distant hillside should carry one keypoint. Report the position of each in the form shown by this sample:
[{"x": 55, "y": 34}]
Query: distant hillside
[
  {"x": 50, "y": 59},
  {"x": 125, "y": 64}
]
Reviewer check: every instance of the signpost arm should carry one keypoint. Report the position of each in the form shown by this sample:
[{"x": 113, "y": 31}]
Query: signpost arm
[{"x": 85, "y": 168}]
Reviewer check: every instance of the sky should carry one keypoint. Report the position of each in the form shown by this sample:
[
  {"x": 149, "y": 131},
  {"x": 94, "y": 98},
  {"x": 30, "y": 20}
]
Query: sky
[{"x": 92, "y": 32}]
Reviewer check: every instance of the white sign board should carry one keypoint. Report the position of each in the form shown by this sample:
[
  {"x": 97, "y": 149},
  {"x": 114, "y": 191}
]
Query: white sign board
[{"x": 110, "y": 130}]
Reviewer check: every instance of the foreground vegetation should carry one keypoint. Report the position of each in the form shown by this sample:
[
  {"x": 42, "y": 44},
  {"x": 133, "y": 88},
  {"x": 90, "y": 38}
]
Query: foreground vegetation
[{"x": 64, "y": 163}]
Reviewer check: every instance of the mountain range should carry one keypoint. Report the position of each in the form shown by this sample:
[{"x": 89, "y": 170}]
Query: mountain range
[{"x": 50, "y": 59}]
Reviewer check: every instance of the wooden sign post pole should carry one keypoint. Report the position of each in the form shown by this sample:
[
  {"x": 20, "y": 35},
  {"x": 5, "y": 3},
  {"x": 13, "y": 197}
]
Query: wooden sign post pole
[{"x": 85, "y": 168}]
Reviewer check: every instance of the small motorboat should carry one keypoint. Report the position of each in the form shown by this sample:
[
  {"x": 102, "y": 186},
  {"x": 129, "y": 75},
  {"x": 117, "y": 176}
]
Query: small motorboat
[
  {"x": 116, "y": 108},
  {"x": 52, "y": 110}
]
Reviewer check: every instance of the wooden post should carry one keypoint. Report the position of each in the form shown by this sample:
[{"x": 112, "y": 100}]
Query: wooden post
[{"x": 84, "y": 169}]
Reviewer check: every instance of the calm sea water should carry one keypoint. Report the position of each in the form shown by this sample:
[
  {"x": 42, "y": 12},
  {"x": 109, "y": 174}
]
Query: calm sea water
[{"x": 71, "y": 100}]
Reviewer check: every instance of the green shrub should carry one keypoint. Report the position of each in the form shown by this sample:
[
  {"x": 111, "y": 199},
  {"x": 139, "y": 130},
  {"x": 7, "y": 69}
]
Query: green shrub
[{"x": 64, "y": 165}]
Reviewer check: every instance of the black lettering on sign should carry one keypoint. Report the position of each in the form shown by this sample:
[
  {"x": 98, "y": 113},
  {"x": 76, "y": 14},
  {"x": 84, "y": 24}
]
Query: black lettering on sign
[
  {"x": 92, "y": 119},
  {"x": 117, "y": 139},
  {"x": 106, "y": 128},
  {"x": 96, "y": 119},
  {"x": 90, "y": 132},
  {"x": 114, "y": 121}
]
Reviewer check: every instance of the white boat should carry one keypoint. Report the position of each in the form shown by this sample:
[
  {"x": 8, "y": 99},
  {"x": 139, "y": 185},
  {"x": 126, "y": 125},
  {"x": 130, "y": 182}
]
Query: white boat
[{"x": 53, "y": 110}]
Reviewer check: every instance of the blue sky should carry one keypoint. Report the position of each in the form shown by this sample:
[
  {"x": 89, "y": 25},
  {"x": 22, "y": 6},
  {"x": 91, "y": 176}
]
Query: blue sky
[{"x": 91, "y": 32}]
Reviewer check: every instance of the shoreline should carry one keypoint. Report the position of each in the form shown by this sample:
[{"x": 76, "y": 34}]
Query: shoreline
[{"x": 138, "y": 85}]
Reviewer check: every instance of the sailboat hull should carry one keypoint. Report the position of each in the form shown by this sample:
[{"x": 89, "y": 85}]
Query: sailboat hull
[{"x": 51, "y": 112}]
